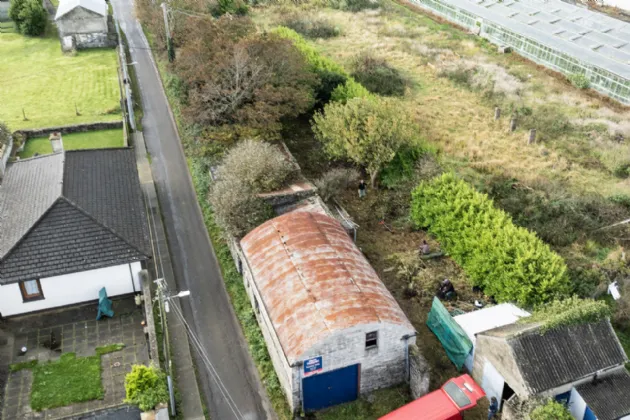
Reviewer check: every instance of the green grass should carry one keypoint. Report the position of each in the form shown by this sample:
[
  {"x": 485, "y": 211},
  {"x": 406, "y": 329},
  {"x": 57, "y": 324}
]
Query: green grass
[
  {"x": 66, "y": 381},
  {"x": 110, "y": 348},
  {"x": 55, "y": 3},
  {"x": 75, "y": 141},
  {"x": 23, "y": 365},
  {"x": 37, "y": 77},
  {"x": 380, "y": 403}
]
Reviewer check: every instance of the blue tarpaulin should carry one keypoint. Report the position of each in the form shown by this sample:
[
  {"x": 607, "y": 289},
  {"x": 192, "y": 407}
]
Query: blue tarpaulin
[{"x": 451, "y": 335}]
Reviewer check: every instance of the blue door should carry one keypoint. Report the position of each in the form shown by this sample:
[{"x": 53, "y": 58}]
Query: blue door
[
  {"x": 589, "y": 415},
  {"x": 330, "y": 388}
]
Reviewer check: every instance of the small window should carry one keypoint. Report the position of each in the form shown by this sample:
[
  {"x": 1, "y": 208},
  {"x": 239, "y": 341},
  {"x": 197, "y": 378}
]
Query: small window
[
  {"x": 31, "y": 290},
  {"x": 371, "y": 340}
]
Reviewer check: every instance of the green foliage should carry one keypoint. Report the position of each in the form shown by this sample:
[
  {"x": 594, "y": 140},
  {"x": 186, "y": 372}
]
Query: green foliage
[
  {"x": 551, "y": 410},
  {"x": 621, "y": 199},
  {"x": 354, "y": 5},
  {"x": 568, "y": 311},
  {"x": 378, "y": 76},
  {"x": 145, "y": 386},
  {"x": 232, "y": 7},
  {"x": 23, "y": 365},
  {"x": 402, "y": 167},
  {"x": 336, "y": 84},
  {"x": 32, "y": 17},
  {"x": 110, "y": 348},
  {"x": 66, "y": 381},
  {"x": 364, "y": 131},
  {"x": 579, "y": 80},
  {"x": 622, "y": 170},
  {"x": 508, "y": 262},
  {"x": 350, "y": 90},
  {"x": 14, "y": 11},
  {"x": 585, "y": 281},
  {"x": 333, "y": 182}
]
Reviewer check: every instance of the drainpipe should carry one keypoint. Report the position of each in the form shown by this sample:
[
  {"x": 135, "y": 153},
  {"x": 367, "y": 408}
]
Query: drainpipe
[
  {"x": 406, "y": 337},
  {"x": 133, "y": 284}
]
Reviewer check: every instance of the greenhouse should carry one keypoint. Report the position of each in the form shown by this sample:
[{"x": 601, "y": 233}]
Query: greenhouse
[{"x": 558, "y": 35}]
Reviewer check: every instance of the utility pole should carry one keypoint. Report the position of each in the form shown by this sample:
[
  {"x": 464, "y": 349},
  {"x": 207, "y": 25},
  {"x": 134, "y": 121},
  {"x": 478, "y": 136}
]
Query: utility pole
[{"x": 169, "y": 40}]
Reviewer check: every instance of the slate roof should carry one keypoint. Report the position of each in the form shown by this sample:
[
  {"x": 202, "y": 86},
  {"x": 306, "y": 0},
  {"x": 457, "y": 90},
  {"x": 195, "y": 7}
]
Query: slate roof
[
  {"x": 70, "y": 212},
  {"x": 561, "y": 355},
  {"x": 608, "y": 396},
  {"x": 66, "y": 6}
]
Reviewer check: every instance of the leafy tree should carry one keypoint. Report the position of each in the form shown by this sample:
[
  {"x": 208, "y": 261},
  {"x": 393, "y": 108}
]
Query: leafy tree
[
  {"x": 32, "y": 18},
  {"x": 551, "y": 410},
  {"x": 364, "y": 131},
  {"x": 508, "y": 262},
  {"x": 14, "y": 11},
  {"x": 242, "y": 79}
]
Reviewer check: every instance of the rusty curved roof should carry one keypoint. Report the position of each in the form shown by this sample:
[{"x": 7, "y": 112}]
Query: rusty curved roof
[{"x": 314, "y": 281}]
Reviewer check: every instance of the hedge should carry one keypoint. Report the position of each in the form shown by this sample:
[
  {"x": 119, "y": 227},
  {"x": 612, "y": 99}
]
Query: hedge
[
  {"x": 508, "y": 262},
  {"x": 322, "y": 65}
]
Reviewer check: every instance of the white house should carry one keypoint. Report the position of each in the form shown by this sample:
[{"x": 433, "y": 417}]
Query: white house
[
  {"x": 70, "y": 223},
  {"x": 85, "y": 21},
  {"x": 332, "y": 328}
]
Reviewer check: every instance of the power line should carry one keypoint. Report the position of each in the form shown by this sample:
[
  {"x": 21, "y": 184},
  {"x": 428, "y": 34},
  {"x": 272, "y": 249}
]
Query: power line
[{"x": 213, "y": 372}]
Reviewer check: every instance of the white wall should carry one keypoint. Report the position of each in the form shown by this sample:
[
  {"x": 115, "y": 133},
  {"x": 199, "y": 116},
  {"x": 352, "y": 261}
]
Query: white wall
[
  {"x": 81, "y": 21},
  {"x": 577, "y": 406},
  {"x": 492, "y": 382},
  {"x": 73, "y": 288}
]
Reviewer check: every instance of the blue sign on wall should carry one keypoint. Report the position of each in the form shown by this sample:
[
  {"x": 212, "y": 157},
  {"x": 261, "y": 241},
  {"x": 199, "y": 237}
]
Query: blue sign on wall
[{"x": 313, "y": 365}]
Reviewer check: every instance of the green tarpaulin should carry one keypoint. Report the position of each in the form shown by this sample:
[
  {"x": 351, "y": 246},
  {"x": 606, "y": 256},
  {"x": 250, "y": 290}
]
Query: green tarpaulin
[{"x": 451, "y": 335}]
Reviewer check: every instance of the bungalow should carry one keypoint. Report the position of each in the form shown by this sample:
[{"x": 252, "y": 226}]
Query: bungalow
[
  {"x": 580, "y": 365},
  {"x": 70, "y": 223}
]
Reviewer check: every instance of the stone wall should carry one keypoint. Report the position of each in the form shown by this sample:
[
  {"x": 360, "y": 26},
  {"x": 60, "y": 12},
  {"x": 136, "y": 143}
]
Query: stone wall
[
  {"x": 419, "y": 373},
  {"x": 94, "y": 40},
  {"x": 67, "y": 129},
  {"x": 81, "y": 21}
]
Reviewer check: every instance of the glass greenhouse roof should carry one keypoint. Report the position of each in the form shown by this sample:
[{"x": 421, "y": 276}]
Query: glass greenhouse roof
[{"x": 589, "y": 36}]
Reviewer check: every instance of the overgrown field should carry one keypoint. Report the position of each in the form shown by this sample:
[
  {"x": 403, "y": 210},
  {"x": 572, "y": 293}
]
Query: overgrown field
[
  {"x": 52, "y": 89},
  {"x": 90, "y": 140}
]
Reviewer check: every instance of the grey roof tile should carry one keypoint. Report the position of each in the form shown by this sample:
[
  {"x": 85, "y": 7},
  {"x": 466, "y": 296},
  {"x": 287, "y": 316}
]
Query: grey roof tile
[
  {"x": 608, "y": 397},
  {"x": 564, "y": 354},
  {"x": 28, "y": 189},
  {"x": 71, "y": 212}
]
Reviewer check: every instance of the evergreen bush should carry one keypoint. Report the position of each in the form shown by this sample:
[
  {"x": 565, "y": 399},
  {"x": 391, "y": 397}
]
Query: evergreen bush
[
  {"x": 145, "y": 386},
  {"x": 508, "y": 262}
]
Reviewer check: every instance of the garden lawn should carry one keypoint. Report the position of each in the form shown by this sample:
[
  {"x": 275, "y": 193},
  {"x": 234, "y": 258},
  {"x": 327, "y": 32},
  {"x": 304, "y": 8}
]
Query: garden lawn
[
  {"x": 67, "y": 381},
  {"x": 91, "y": 140},
  {"x": 37, "y": 77}
]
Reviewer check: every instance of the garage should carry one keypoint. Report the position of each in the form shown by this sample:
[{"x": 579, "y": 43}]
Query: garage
[{"x": 331, "y": 388}]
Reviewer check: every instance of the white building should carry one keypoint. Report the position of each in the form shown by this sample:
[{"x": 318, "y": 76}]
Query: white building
[
  {"x": 85, "y": 21},
  {"x": 70, "y": 223},
  {"x": 332, "y": 328}
]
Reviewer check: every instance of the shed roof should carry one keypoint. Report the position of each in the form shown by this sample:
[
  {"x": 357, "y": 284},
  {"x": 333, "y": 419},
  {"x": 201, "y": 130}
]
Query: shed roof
[
  {"x": 608, "y": 396},
  {"x": 561, "y": 355},
  {"x": 314, "y": 281},
  {"x": 489, "y": 318},
  {"x": 70, "y": 212},
  {"x": 66, "y": 6},
  {"x": 591, "y": 37}
]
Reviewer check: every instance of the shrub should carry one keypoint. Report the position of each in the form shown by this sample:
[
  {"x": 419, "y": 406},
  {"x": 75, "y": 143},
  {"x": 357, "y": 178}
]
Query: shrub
[
  {"x": 237, "y": 208},
  {"x": 349, "y": 90},
  {"x": 15, "y": 8},
  {"x": 551, "y": 410},
  {"x": 232, "y": 7},
  {"x": 508, "y": 262},
  {"x": 579, "y": 80},
  {"x": 335, "y": 181},
  {"x": 146, "y": 387},
  {"x": 261, "y": 166},
  {"x": 622, "y": 170},
  {"x": 378, "y": 76},
  {"x": 312, "y": 28},
  {"x": 568, "y": 311},
  {"x": 355, "y": 5},
  {"x": 402, "y": 167},
  {"x": 329, "y": 82},
  {"x": 366, "y": 132}
]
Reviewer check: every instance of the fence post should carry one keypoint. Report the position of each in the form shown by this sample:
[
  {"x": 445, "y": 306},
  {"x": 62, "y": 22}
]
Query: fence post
[
  {"x": 497, "y": 113},
  {"x": 513, "y": 124},
  {"x": 531, "y": 139}
]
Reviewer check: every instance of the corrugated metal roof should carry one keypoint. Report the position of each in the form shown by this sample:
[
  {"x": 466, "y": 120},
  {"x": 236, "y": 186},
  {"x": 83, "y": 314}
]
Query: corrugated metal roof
[
  {"x": 314, "y": 281},
  {"x": 608, "y": 396},
  {"x": 96, "y": 6}
]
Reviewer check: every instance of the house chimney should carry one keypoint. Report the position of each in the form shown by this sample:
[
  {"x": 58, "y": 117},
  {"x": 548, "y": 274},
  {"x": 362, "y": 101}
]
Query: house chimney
[{"x": 56, "y": 142}]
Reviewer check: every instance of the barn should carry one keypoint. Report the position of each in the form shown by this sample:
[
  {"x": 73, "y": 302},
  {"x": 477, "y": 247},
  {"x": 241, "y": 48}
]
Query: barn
[
  {"x": 332, "y": 328},
  {"x": 86, "y": 22}
]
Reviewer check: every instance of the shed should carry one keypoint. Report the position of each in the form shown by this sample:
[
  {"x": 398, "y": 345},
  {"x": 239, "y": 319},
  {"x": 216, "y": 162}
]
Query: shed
[
  {"x": 332, "y": 328},
  {"x": 486, "y": 319},
  {"x": 605, "y": 398},
  {"x": 523, "y": 360},
  {"x": 86, "y": 21}
]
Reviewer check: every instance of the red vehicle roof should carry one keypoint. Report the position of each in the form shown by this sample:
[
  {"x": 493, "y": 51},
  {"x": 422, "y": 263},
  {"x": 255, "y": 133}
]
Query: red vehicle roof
[{"x": 438, "y": 405}]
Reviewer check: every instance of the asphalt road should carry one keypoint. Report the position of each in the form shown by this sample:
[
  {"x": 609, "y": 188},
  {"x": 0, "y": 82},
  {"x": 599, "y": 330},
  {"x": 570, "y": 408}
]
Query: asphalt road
[{"x": 208, "y": 309}]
